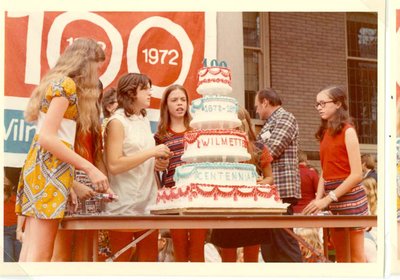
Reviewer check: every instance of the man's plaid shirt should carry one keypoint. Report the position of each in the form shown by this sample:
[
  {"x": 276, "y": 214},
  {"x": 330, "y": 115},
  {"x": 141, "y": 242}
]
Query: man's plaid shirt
[{"x": 280, "y": 134}]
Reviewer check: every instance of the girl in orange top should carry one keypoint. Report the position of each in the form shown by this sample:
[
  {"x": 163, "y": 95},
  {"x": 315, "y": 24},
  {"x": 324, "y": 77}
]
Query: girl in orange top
[{"x": 339, "y": 187}]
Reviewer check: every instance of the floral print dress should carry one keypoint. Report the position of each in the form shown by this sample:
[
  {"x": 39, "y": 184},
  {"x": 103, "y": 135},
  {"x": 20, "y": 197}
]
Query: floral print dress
[{"x": 45, "y": 180}]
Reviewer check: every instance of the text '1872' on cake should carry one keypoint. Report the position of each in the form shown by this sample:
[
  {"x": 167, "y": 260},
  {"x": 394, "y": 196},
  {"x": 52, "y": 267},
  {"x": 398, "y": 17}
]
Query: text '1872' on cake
[{"x": 215, "y": 177}]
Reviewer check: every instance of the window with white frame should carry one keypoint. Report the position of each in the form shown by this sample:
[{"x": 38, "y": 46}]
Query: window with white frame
[
  {"x": 255, "y": 55},
  {"x": 362, "y": 42}
]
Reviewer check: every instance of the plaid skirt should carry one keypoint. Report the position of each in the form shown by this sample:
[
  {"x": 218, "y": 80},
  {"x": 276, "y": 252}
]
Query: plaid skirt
[{"x": 354, "y": 202}]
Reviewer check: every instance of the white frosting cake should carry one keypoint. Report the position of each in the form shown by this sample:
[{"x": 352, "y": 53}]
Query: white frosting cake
[
  {"x": 214, "y": 112},
  {"x": 213, "y": 178},
  {"x": 219, "y": 173},
  {"x": 214, "y": 80},
  {"x": 215, "y": 145}
]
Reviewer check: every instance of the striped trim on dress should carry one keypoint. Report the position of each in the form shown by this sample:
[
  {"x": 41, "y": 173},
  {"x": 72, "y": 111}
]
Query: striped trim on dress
[{"x": 352, "y": 203}]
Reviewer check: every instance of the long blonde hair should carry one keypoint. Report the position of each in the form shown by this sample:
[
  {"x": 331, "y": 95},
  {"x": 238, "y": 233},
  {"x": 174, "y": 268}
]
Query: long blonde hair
[
  {"x": 369, "y": 184},
  {"x": 79, "y": 63},
  {"x": 311, "y": 236}
]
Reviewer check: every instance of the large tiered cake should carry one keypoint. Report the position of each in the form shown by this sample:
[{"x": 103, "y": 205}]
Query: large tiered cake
[{"x": 213, "y": 178}]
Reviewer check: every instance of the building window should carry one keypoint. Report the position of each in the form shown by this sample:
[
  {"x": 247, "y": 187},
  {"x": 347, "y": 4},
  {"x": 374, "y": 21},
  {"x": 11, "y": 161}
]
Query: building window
[
  {"x": 255, "y": 55},
  {"x": 362, "y": 35}
]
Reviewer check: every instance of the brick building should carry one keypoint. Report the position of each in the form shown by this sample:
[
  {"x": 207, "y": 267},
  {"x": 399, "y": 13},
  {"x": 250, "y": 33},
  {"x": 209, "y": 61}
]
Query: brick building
[{"x": 299, "y": 53}]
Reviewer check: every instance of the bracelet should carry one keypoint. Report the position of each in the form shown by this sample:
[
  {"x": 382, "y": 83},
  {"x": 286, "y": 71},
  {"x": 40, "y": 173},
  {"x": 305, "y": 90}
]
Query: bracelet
[{"x": 333, "y": 196}]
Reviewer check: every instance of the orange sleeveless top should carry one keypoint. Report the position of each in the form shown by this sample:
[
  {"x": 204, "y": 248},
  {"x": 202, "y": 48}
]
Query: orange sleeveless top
[{"x": 334, "y": 158}]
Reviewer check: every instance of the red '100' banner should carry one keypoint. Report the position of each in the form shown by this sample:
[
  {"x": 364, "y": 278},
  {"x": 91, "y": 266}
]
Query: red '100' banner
[{"x": 168, "y": 47}]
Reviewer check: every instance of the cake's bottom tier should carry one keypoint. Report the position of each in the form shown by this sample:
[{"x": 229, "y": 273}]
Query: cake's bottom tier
[{"x": 217, "y": 196}]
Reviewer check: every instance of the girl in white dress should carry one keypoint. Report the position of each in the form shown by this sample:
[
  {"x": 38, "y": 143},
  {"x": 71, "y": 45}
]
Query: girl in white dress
[{"x": 130, "y": 152}]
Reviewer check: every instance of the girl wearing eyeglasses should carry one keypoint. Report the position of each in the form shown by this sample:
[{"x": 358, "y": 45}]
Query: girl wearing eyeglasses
[{"x": 339, "y": 187}]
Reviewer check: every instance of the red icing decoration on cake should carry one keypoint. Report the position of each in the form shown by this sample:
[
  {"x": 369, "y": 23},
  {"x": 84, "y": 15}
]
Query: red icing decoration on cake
[
  {"x": 224, "y": 71},
  {"x": 196, "y": 190},
  {"x": 215, "y": 70},
  {"x": 191, "y": 136}
]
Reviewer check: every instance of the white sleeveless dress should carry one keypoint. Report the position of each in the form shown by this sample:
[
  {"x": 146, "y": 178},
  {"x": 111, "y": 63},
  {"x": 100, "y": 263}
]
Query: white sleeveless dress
[{"x": 136, "y": 188}]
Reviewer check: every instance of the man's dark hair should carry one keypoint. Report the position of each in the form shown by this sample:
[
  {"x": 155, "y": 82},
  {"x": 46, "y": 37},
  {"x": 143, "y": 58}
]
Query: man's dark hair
[{"x": 271, "y": 95}]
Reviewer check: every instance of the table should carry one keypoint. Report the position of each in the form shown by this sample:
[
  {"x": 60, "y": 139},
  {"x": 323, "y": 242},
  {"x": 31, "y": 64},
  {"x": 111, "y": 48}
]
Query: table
[{"x": 144, "y": 222}]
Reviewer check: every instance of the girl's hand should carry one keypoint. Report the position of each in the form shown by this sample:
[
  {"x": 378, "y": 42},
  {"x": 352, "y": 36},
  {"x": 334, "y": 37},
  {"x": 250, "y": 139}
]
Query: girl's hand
[
  {"x": 74, "y": 199},
  {"x": 316, "y": 206},
  {"x": 82, "y": 191},
  {"x": 109, "y": 191},
  {"x": 161, "y": 164},
  {"x": 264, "y": 180},
  {"x": 99, "y": 180},
  {"x": 162, "y": 151},
  {"x": 20, "y": 235}
]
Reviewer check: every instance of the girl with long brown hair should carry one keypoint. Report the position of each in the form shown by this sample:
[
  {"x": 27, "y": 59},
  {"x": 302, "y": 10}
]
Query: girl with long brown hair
[
  {"x": 174, "y": 122},
  {"x": 339, "y": 187}
]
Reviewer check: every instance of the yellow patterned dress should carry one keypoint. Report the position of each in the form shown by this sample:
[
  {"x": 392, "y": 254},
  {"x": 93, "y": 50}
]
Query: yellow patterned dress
[{"x": 45, "y": 180}]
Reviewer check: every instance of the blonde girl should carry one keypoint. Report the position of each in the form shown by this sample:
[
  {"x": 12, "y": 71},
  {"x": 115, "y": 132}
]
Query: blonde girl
[
  {"x": 369, "y": 184},
  {"x": 370, "y": 244},
  {"x": 312, "y": 237},
  {"x": 76, "y": 245},
  {"x": 48, "y": 172},
  {"x": 174, "y": 122},
  {"x": 339, "y": 187}
]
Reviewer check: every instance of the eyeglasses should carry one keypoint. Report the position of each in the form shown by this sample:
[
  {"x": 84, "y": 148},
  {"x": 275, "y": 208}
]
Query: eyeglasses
[{"x": 322, "y": 103}]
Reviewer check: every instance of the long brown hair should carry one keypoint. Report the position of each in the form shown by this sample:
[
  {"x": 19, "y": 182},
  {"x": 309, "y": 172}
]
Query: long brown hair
[
  {"x": 165, "y": 119},
  {"x": 79, "y": 62},
  {"x": 128, "y": 86},
  {"x": 247, "y": 127},
  {"x": 338, "y": 95},
  {"x": 108, "y": 98}
]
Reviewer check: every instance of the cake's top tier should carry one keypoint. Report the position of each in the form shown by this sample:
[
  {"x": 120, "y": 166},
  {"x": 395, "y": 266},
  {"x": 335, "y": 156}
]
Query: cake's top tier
[{"x": 214, "y": 80}]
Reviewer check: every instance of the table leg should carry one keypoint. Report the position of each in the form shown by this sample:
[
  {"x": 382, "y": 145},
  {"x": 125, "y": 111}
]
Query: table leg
[
  {"x": 95, "y": 236},
  {"x": 347, "y": 244},
  {"x": 325, "y": 238}
]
